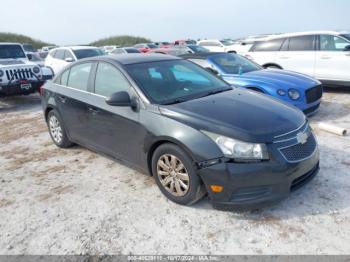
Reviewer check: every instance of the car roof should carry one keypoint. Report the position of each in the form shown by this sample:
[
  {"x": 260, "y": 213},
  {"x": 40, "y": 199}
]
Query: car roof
[
  {"x": 201, "y": 55},
  {"x": 77, "y": 47},
  {"x": 9, "y": 43},
  {"x": 320, "y": 32},
  {"x": 127, "y": 59}
]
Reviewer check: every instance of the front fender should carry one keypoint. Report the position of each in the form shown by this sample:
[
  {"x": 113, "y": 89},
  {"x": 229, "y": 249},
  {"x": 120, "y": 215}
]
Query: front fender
[{"x": 162, "y": 128}]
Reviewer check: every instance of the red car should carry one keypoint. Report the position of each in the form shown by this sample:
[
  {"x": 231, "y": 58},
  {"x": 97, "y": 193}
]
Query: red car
[{"x": 145, "y": 48}]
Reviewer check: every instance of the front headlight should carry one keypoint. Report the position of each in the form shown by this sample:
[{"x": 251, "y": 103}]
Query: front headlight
[
  {"x": 239, "y": 150},
  {"x": 36, "y": 70},
  {"x": 294, "y": 94}
]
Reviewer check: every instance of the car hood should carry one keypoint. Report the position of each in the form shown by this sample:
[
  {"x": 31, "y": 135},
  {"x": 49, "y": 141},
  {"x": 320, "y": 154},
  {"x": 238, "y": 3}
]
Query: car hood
[
  {"x": 241, "y": 114},
  {"x": 14, "y": 62},
  {"x": 278, "y": 78}
]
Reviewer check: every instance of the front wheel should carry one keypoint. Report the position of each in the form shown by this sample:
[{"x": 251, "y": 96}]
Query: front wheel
[
  {"x": 176, "y": 175},
  {"x": 57, "y": 130}
]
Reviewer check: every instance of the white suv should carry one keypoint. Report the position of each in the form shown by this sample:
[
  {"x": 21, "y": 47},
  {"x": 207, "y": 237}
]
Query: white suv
[
  {"x": 58, "y": 58},
  {"x": 214, "y": 45},
  {"x": 324, "y": 55}
]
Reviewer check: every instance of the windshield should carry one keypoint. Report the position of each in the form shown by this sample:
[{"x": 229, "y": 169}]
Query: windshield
[
  {"x": 166, "y": 82},
  {"x": 28, "y": 48},
  {"x": 11, "y": 51},
  {"x": 234, "y": 64},
  {"x": 83, "y": 53},
  {"x": 132, "y": 50},
  {"x": 151, "y": 46},
  {"x": 347, "y": 36},
  {"x": 226, "y": 42},
  {"x": 198, "y": 49}
]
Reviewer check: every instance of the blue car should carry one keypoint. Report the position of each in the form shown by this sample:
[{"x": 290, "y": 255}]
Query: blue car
[{"x": 297, "y": 89}]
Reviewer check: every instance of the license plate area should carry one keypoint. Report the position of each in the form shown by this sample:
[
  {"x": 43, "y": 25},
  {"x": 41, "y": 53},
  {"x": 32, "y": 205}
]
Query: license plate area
[{"x": 26, "y": 86}]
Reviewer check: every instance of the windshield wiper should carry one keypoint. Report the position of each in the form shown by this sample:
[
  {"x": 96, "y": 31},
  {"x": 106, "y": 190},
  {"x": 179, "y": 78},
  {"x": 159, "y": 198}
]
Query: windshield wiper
[
  {"x": 213, "y": 92},
  {"x": 175, "y": 101}
]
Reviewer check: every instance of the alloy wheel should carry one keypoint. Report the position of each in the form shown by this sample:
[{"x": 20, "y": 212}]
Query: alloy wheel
[
  {"x": 55, "y": 129},
  {"x": 173, "y": 175}
]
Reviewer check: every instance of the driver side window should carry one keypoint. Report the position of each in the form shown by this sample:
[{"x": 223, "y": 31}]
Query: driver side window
[{"x": 332, "y": 43}]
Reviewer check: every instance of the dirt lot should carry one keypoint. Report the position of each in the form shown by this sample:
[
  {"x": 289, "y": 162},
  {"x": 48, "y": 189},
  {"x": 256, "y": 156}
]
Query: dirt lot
[{"x": 55, "y": 201}]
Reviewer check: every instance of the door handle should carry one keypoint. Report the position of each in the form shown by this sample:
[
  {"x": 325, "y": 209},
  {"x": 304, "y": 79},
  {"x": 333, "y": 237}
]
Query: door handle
[
  {"x": 93, "y": 111},
  {"x": 62, "y": 99}
]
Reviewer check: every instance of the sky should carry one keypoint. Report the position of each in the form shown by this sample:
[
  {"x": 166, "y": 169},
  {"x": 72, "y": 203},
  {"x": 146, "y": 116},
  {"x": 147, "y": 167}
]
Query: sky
[{"x": 65, "y": 22}]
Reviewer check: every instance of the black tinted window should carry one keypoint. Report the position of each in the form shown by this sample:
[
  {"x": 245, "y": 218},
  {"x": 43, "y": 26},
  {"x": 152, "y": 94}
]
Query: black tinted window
[
  {"x": 109, "y": 80},
  {"x": 271, "y": 45},
  {"x": 84, "y": 53},
  {"x": 79, "y": 76},
  {"x": 59, "y": 54},
  {"x": 132, "y": 50},
  {"x": 301, "y": 43}
]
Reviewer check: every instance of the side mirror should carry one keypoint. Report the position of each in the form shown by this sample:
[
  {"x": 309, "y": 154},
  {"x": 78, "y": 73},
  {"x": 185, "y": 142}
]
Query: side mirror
[
  {"x": 347, "y": 48},
  {"x": 121, "y": 98},
  {"x": 68, "y": 59},
  {"x": 30, "y": 57},
  {"x": 211, "y": 70}
]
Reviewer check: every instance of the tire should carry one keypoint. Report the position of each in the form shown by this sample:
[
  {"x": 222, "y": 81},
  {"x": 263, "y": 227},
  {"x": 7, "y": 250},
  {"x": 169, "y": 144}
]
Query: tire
[
  {"x": 57, "y": 130},
  {"x": 195, "y": 188}
]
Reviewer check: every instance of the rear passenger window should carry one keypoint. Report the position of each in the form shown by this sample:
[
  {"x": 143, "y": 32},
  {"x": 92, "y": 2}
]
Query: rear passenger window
[
  {"x": 79, "y": 76},
  {"x": 109, "y": 80},
  {"x": 68, "y": 54},
  {"x": 268, "y": 46},
  {"x": 302, "y": 43},
  {"x": 64, "y": 77}
]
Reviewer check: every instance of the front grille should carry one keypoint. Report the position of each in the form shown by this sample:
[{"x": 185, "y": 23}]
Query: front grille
[
  {"x": 311, "y": 109},
  {"x": 313, "y": 94},
  {"x": 18, "y": 74},
  {"x": 300, "y": 151},
  {"x": 302, "y": 180}
]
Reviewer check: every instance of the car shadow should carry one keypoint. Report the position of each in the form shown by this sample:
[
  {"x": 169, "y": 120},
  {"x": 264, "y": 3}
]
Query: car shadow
[{"x": 18, "y": 103}]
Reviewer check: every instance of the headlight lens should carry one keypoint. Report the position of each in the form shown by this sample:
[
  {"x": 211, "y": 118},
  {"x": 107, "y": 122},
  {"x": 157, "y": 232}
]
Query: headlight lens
[
  {"x": 239, "y": 150},
  {"x": 281, "y": 92},
  {"x": 1, "y": 73},
  {"x": 36, "y": 70},
  {"x": 294, "y": 94}
]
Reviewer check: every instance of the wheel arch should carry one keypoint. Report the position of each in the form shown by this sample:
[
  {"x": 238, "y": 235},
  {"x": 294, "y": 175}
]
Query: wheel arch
[
  {"x": 272, "y": 65},
  {"x": 256, "y": 88},
  {"x": 161, "y": 141}
]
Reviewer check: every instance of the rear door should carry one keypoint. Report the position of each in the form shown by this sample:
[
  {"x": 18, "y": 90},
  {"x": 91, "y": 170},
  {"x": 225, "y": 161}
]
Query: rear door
[
  {"x": 332, "y": 62},
  {"x": 73, "y": 99},
  {"x": 298, "y": 54}
]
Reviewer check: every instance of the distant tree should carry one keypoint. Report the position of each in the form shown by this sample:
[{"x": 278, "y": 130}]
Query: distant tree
[
  {"x": 18, "y": 38},
  {"x": 122, "y": 40}
]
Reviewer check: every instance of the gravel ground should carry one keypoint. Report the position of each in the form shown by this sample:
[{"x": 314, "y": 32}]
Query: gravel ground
[{"x": 74, "y": 201}]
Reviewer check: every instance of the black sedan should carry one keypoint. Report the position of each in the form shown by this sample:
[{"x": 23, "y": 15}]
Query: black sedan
[{"x": 190, "y": 130}]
